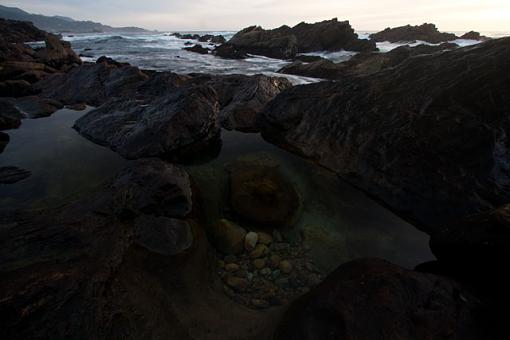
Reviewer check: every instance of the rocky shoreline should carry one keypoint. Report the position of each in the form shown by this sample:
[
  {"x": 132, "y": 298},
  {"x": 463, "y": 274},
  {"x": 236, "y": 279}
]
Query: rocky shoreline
[{"x": 422, "y": 129}]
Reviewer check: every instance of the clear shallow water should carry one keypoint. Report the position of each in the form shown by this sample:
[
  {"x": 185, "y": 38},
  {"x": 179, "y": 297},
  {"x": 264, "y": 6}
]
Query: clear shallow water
[
  {"x": 64, "y": 165},
  {"x": 338, "y": 222}
]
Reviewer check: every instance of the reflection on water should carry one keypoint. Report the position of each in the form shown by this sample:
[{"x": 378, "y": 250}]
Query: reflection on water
[
  {"x": 338, "y": 222},
  {"x": 63, "y": 163}
]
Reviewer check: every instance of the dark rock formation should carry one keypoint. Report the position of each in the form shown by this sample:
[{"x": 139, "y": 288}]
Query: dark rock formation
[
  {"x": 472, "y": 35},
  {"x": 197, "y": 49},
  {"x": 242, "y": 97},
  {"x": 4, "y": 140},
  {"x": 215, "y": 39},
  {"x": 173, "y": 126},
  {"x": 228, "y": 51},
  {"x": 373, "y": 299},
  {"x": 13, "y": 31},
  {"x": 428, "y": 137},
  {"x": 19, "y": 62},
  {"x": 10, "y": 116},
  {"x": 361, "y": 64},
  {"x": 260, "y": 193},
  {"x": 85, "y": 269},
  {"x": 150, "y": 186},
  {"x": 285, "y": 42},
  {"x": 12, "y": 174},
  {"x": 92, "y": 84},
  {"x": 424, "y": 32}
]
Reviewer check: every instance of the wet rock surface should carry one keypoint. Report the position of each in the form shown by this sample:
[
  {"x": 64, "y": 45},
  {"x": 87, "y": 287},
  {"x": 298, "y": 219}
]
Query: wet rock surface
[
  {"x": 10, "y": 116},
  {"x": 425, "y": 32},
  {"x": 390, "y": 133},
  {"x": 371, "y": 298},
  {"x": 197, "y": 49}
]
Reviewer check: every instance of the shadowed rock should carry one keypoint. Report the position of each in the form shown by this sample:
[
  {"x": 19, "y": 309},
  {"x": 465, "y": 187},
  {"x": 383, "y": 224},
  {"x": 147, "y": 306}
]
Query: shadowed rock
[
  {"x": 173, "y": 126},
  {"x": 361, "y": 64},
  {"x": 424, "y": 32},
  {"x": 197, "y": 49},
  {"x": 428, "y": 137},
  {"x": 285, "y": 42},
  {"x": 10, "y": 116},
  {"x": 367, "y": 299},
  {"x": 472, "y": 35}
]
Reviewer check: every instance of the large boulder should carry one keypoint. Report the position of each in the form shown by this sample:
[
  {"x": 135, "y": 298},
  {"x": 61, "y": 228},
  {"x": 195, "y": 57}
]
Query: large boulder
[
  {"x": 425, "y": 32},
  {"x": 241, "y": 97},
  {"x": 473, "y": 35},
  {"x": 175, "y": 125},
  {"x": 57, "y": 53},
  {"x": 197, "y": 49},
  {"x": 10, "y": 116},
  {"x": 92, "y": 84},
  {"x": 285, "y": 42},
  {"x": 20, "y": 31},
  {"x": 152, "y": 186},
  {"x": 373, "y": 299},
  {"x": 427, "y": 137}
]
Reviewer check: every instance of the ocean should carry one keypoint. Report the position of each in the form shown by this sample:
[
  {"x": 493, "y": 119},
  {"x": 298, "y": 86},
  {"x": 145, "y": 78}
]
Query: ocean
[{"x": 163, "y": 52}]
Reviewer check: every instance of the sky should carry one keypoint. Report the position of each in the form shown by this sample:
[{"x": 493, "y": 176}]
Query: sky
[{"x": 364, "y": 15}]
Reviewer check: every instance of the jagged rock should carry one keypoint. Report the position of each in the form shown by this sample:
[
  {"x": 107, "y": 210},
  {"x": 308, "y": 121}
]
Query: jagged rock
[
  {"x": 197, "y": 49},
  {"x": 215, "y": 39},
  {"x": 425, "y": 32},
  {"x": 20, "y": 31},
  {"x": 152, "y": 186},
  {"x": 361, "y": 64},
  {"x": 285, "y": 42},
  {"x": 92, "y": 84},
  {"x": 228, "y": 51},
  {"x": 391, "y": 133},
  {"x": 162, "y": 235},
  {"x": 472, "y": 35},
  {"x": 12, "y": 174},
  {"x": 176, "y": 125},
  {"x": 10, "y": 116},
  {"x": 242, "y": 97},
  {"x": 370, "y": 298},
  {"x": 57, "y": 53}
]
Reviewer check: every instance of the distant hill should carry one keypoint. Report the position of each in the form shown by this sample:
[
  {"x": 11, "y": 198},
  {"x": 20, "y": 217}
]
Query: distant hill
[{"x": 60, "y": 24}]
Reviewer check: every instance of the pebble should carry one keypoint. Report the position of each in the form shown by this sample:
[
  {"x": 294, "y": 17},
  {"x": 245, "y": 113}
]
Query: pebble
[
  {"x": 277, "y": 236},
  {"x": 274, "y": 261},
  {"x": 276, "y": 274},
  {"x": 249, "y": 276},
  {"x": 265, "y": 238},
  {"x": 230, "y": 259},
  {"x": 259, "y": 303},
  {"x": 259, "y": 251},
  {"x": 237, "y": 283},
  {"x": 265, "y": 272},
  {"x": 259, "y": 263},
  {"x": 232, "y": 267},
  {"x": 285, "y": 266},
  {"x": 251, "y": 240}
]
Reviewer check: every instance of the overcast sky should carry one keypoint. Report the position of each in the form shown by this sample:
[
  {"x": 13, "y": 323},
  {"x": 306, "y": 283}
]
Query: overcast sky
[{"x": 448, "y": 15}]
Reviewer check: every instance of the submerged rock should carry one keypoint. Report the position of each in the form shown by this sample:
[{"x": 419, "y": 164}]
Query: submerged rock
[
  {"x": 366, "y": 299},
  {"x": 228, "y": 51},
  {"x": 472, "y": 35},
  {"x": 12, "y": 174},
  {"x": 174, "y": 126},
  {"x": 390, "y": 133},
  {"x": 425, "y": 32},
  {"x": 260, "y": 193},
  {"x": 153, "y": 186},
  {"x": 36, "y": 107},
  {"x": 227, "y": 237},
  {"x": 4, "y": 140},
  {"x": 162, "y": 235}
]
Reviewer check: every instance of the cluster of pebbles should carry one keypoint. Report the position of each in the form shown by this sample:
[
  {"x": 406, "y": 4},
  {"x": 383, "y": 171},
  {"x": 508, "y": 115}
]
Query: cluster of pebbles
[{"x": 268, "y": 271}]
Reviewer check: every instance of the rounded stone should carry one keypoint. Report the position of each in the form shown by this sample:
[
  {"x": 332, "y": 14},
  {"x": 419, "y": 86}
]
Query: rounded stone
[
  {"x": 227, "y": 237},
  {"x": 232, "y": 267},
  {"x": 285, "y": 267},
  {"x": 251, "y": 240},
  {"x": 259, "y": 263},
  {"x": 259, "y": 251}
]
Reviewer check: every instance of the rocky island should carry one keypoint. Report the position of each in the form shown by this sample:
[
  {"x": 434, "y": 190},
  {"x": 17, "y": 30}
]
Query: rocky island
[{"x": 173, "y": 247}]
